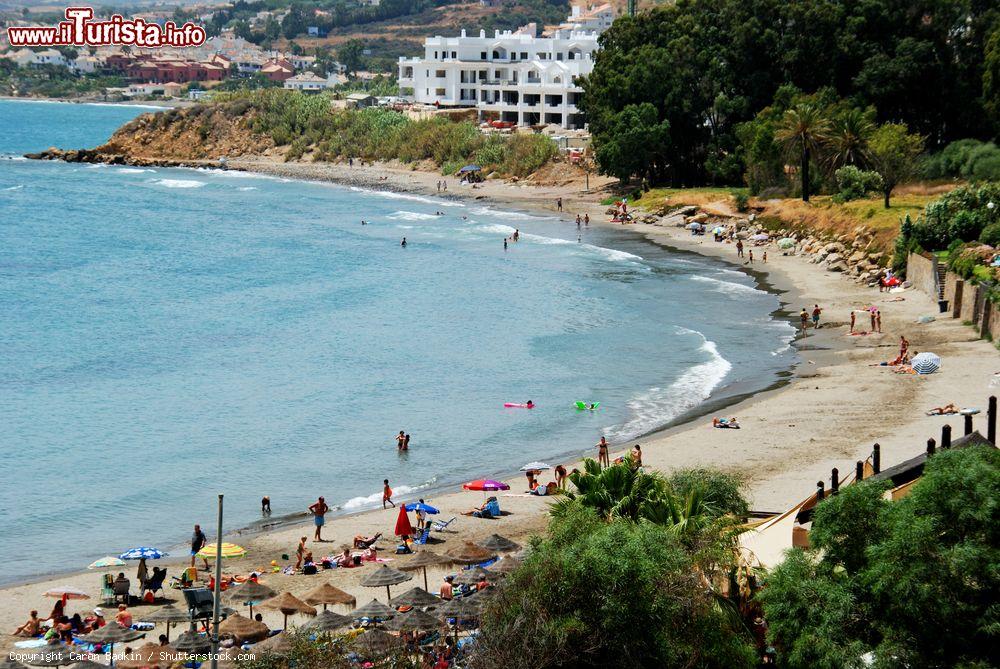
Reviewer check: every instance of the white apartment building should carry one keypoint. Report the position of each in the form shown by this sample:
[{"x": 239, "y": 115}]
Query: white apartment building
[
  {"x": 511, "y": 76},
  {"x": 597, "y": 18}
]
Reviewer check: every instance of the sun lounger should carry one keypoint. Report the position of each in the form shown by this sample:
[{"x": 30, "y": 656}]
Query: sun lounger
[
  {"x": 441, "y": 526},
  {"x": 154, "y": 583},
  {"x": 423, "y": 536}
]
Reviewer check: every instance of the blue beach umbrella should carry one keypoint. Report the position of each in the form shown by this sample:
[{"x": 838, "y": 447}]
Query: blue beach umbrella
[
  {"x": 426, "y": 508},
  {"x": 469, "y": 168},
  {"x": 141, "y": 552},
  {"x": 925, "y": 363}
]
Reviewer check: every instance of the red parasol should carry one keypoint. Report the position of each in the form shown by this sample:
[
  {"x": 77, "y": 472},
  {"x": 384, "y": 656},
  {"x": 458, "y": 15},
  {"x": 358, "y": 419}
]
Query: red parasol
[{"x": 403, "y": 526}]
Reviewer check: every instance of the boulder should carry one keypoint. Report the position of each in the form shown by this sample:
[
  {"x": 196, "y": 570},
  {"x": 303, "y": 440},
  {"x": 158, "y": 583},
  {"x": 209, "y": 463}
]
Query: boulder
[
  {"x": 838, "y": 266},
  {"x": 834, "y": 247}
]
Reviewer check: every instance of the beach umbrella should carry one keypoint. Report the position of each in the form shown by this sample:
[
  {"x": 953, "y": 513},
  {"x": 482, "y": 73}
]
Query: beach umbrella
[
  {"x": 168, "y": 615},
  {"x": 327, "y": 621},
  {"x": 459, "y": 610},
  {"x": 786, "y": 243},
  {"x": 693, "y": 226},
  {"x": 426, "y": 508},
  {"x": 148, "y": 656},
  {"x": 469, "y": 168},
  {"x": 403, "y": 527},
  {"x": 111, "y": 634},
  {"x": 498, "y": 544},
  {"x": 925, "y": 363},
  {"x": 486, "y": 485},
  {"x": 505, "y": 565},
  {"x": 385, "y": 576},
  {"x": 374, "y": 609},
  {"x": 414, "y": 621},
  {"x": 244, "y": 629},
  {"x": 376, "y": 643},
  {"x": 279, "y": 644},
  {"x": 760, "y": 237},
  {"x": 718, "y": 230},
  {"x": 66, "y": 592},
  {"x": 57, "y": 656},
  {"x": 141, "y": 552},
  {"x": 423, "y": 560},
  {"x": 474, "y": 575},
  {"x": 469, "y": 553},
  {"x": 327, "y": 594},
  {"x": 535, "y": 467},
  {"x": 228, "y": 551},
  {"x": 250, "y": 593},
  {"x": 106, "y": 561},
  {"x": 193, "y": 644},
  {"x": 288, "y": 604},
  {"x": 415, "y": 597}
]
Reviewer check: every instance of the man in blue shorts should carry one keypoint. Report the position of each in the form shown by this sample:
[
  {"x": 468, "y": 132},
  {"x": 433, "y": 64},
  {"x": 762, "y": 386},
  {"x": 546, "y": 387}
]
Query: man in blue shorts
[{"x": 319, "y": 510}]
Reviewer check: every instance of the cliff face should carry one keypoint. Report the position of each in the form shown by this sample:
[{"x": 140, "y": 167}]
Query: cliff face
[{"x": 178, "y": 135}]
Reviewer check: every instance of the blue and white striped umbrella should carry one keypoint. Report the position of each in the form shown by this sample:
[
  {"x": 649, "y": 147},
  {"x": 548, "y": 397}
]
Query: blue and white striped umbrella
[
  {"x": 140, "y": 552},
  {"x": 925, "y": 363}
]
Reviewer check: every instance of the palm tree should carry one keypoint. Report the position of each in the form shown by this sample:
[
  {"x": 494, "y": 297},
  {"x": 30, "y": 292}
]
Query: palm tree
[
  {"x": 617, "y": 491},
  {"x": 802, "y": 133},
  {"x": 847, "y": 143}
]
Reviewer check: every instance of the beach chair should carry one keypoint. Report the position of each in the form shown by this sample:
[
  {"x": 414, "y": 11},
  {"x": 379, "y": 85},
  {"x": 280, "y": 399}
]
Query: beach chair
[
  {"x": 120, "y": 591},
  {"x": 423, "y": 536},
  {"x": 154, "y": 583},
  {"x": 441, "y": 525},
  {"x": 108, "y": 590}
]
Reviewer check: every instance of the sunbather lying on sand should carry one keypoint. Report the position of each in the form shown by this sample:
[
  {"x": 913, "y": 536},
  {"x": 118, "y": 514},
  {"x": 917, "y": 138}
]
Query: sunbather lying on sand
[
  {"x": 947, "y": 409},
  {"x": 726, "y": 423},
  {"x": 365, "y": 542}
]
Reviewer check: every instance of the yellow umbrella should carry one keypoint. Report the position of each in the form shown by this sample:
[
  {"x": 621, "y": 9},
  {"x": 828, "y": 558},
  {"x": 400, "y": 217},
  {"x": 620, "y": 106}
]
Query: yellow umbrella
[{"x": 228, "y": 551}]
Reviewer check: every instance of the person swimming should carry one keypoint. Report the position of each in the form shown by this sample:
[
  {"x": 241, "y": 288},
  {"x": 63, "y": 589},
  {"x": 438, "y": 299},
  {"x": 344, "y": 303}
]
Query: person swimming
[
  {"x": 529, "y": 404},
  {"x": 403, "y": 243}
]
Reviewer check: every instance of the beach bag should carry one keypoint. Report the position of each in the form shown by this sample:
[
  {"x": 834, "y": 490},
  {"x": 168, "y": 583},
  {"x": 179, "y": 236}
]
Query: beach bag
[{"x": 309, "y": 569}]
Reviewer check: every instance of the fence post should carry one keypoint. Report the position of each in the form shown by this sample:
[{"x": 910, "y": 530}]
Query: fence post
[
  {"x": 946, "y": 436},
  {"x": 877, "y": 458},
  {"x": 930, "y": 447},
  {"x": 859, "y": 471},
  {"x": 968, "y": 424},
  {"x": 835, "y": 481},
  {"x": 820, "y": 491},
  {"x": 991, "y": 420}
]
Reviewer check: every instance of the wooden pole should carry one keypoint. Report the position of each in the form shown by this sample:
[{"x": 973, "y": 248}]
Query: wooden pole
[
  {"x": 859, "y": 471},
  {"x": 835, "y": 481},
  {"x": 877, "y": 458},
  {"x": 946, "y": 436},
  {"x": 217, "y": 595},
  {"x": 930, "y": 446},
  {"x": 968, "y": 424},
  {"x": 991, "y": 420},
  {"x": 820, "y": 491}
]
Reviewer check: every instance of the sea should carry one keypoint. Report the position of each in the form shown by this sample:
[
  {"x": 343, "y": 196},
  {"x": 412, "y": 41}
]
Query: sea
[{"x": 168, "y": 335}]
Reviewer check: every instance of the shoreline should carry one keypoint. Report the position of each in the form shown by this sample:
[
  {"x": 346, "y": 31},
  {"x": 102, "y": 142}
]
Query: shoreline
[{"x": 827, "y": 413}]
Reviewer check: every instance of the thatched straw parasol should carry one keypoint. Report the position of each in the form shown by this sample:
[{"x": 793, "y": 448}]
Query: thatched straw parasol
[
  {"x": 376, "y": 643},
  {"x": 463, "y": 609},
  {"x": 52, "y": 656},
  {"x": 498, "y": 544},
  {"x": 7, "y": 663},
  {"x": 111, "y": 634},
  {"x": 193, "y": 644},
  {"x": 244, "y": 629},
  {"x": 279, "y": 644},
  {"x": 423, "y": 560},
  {"x": 414, "y": 621},
  {"x": 288, "y": 604},
  {"x": 385, "y": 576},
  {"x": 415, "y": 597},
  {"x": 327, "y": 594},
  {"x": 169, "y": 615},
  {"x": 250, "y": 593},
  {"x": 505, "y": 565},
  {"x": 474, "y": 576},
  {"x": 327, "y": 621},
  {"x": 148, "y": 655},
  {"x": 469, "y": 553},
  {"x": 373, "y": 609}
]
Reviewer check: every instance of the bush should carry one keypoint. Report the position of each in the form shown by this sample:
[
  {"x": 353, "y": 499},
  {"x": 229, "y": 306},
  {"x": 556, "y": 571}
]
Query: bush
[
  {"x": 742, "y": 200},
  {"x": 964, "y": 159},
  {"x": 961, "y": 214},
  {"x": 855, "y": 184},
  {"x": 991, "y": 235}
]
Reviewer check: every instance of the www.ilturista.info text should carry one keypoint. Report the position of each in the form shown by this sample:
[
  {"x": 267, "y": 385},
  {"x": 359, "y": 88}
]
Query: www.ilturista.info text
[{"x": 79, "y": 29}]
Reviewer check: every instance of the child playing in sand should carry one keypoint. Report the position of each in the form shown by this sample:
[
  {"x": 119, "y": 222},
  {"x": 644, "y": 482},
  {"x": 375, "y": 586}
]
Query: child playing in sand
[{"x": 387, "y": 494}]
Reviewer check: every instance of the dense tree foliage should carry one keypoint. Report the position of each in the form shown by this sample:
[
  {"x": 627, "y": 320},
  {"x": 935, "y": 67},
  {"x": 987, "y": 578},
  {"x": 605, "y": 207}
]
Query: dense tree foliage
[
  {"x": 914, "y": 582},
  {"x": 614, "y": 593},
  {"x": 708, "y": 65}
]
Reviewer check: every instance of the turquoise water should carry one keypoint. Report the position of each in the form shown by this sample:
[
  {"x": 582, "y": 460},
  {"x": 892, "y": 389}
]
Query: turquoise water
[{"x": 170, "y": 334}]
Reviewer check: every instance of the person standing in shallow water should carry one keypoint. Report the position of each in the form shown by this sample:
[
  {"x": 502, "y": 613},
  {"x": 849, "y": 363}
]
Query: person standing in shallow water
[
  {"x": 400, "y": 440},
  {"x": 403, "y": 243},
  {"x": 318, "y": 511},
  {"x": 602, "y": 452},
  {"x": 387, "y": 494}
]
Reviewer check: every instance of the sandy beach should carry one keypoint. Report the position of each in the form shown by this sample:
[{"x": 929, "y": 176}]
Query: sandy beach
[{"x": 833, "y": 408}]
